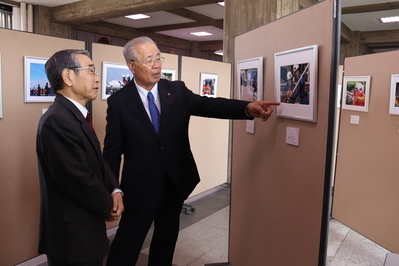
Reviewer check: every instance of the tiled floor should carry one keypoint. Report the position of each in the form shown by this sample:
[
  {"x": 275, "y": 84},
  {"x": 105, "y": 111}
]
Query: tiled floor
[
  {"x": 348, "y": 248},
  {"x": 208, "y": 222},
  {"x": 203, "y": 238}
]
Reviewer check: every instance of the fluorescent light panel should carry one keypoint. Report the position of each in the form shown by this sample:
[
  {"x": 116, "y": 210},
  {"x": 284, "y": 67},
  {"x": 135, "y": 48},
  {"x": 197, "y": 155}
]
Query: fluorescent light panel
[
  {"x": 137, "y": 16},
  {"x": 221, "y": 3},
  {"x": 201, "y": 33},
  {"x": 390, "y": 19}
]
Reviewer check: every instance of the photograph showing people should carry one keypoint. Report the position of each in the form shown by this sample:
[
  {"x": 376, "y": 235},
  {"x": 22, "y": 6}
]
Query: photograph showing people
[
  {"x": 286, "y": 87},
  {"x": 355, "y": 93},
  {"x": 358, "y": 95},
  {"x": 249, "y": 84},
  {"x": 147, "y": 123},
  {"x": 78, "y": 190},
  {"x": 300, "y": 89}
]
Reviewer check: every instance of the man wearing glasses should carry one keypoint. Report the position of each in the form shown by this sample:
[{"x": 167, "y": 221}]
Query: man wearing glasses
[
  {"x": 147, "y": 122},
  {"x": 78, "y": 190}
]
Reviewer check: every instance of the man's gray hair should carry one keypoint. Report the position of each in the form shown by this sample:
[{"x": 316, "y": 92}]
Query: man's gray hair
[{"x": 130, "y": 52}]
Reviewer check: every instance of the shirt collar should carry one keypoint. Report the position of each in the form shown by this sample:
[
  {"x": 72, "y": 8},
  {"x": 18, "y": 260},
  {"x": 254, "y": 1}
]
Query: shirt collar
[
  {"x": 144, "y": 92},
  {"x": 81, "y": 108}
]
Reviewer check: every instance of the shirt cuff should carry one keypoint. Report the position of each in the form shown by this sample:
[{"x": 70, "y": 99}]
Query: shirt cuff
[
  {"x": 246, "y": 111},
  {"x": 116, "y": 190}
]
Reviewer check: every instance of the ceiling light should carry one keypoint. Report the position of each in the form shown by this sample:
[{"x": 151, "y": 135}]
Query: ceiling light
[
  {"x": 389, "y": 19},
  {"x": 221, "y": 3},
  {"x": 201, "y": 33},
  {"x": 219, "y": 52},
  {"x": 137, "y": 16}
]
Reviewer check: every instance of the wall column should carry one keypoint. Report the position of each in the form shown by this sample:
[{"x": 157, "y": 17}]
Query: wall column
[
  {"x": 43, "y": 25},
  {"x": 241, "y": 17}
]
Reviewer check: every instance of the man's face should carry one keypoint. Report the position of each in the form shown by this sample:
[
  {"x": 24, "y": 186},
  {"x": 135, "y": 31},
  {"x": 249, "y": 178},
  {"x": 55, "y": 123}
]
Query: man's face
[
  {"x": 85, "y": 82},
  {"x": 146, "y": 70}
]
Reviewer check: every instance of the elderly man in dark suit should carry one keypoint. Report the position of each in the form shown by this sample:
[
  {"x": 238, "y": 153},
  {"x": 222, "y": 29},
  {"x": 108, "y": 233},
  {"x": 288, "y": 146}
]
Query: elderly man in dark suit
[
  {"x": 147, "y": 122},
  {"x": 78, "y": 190}
]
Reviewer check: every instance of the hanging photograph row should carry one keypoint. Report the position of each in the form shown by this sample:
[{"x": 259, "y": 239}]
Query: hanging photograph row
[
  {"x": 356, "y": 94},
  {"x": 295, "y": 82},
  {"x": 295, "y": 85},
  {"x": 114, "y": 77}
]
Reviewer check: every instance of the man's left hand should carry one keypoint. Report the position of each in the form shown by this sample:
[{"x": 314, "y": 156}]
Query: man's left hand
[{"x": 117, "y": 208}]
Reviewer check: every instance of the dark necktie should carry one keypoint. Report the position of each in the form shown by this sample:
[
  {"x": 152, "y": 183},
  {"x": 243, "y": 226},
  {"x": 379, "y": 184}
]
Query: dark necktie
[
  {"x": 154, "y": 113},
  {"x": 90, "y": 121}
]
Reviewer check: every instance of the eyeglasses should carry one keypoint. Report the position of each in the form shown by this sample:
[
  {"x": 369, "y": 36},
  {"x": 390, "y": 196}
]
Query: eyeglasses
[
  {"x": 157, "y": 60},
  {"x": 92, "y": 70}
]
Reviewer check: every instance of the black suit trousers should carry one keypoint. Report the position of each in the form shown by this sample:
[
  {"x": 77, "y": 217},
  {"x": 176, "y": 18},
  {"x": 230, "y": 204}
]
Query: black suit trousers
[{"x": 135, "y": 223}]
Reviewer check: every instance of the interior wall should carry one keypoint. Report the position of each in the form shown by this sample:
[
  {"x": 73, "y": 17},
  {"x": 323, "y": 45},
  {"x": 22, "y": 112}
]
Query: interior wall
[
  {"x": 20, "y": 198},
  {"x": 209, "y": 138},
  {"x": 366, "y": 182},
  {"x": 337, "y": 118},
  {"x": 277, "y": 189},
  {"x": 240, "y": 17}
]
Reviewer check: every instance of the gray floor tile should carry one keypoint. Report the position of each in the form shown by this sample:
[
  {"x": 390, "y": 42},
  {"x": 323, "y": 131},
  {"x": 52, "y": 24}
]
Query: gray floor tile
[
  {"x": 203, "y": 242},
  {"x": 359, "y": 250},
  {"x": 336, "y": 235}
]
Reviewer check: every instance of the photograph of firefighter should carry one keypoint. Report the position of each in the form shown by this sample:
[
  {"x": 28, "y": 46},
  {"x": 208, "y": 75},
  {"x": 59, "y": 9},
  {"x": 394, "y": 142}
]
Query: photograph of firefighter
[{"x": 295, "y": 84}]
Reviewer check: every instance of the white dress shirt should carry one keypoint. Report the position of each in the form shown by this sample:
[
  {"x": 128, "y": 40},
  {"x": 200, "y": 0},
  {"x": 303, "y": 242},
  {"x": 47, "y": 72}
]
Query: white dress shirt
[{"x": 143, "y": 95}]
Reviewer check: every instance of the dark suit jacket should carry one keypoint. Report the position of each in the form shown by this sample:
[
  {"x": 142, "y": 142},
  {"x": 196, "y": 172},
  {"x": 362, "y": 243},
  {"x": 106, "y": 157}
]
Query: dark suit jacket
[
  {"x": 147, "y": 156},
  {"x": 76, "y": 186}
]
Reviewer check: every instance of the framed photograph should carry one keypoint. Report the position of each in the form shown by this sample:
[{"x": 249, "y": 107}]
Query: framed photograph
[
  {"x": 1, "y": 93},
  {"x": 114, "y": 77},
  {"x": 296, "y": 83},
  {"x": 168, "y": 74},
  {"x": 37, "y": 86},
  {"x": 356, "y": 93},
  {"x": 394, "y": 99},
  {"x": 250, "y": 79},
  {"x": 208, "y": 84}
]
